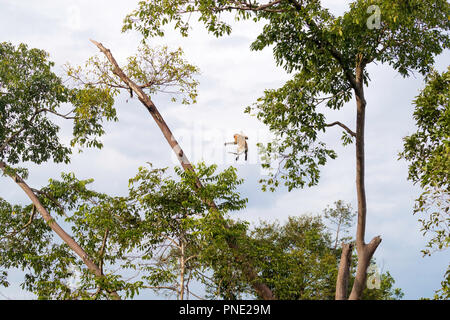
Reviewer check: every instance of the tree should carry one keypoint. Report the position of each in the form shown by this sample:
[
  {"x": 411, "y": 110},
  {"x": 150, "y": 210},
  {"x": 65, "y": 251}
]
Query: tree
[
  {"x": 342, "y": 218},
  {"x": 30, "y": 94},
  {"x": 298, "y": 261},
  {"x": 428, "y": 154},
  {"x": 148, "y": 239},
  {"x": 143, "y": 75},
  {"x": 180, "y": 223},
  {"x": 329, "y": 57}
]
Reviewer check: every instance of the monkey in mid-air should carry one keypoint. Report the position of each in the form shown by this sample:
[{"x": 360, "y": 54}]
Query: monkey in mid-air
[{"x": 241, "y": 141}]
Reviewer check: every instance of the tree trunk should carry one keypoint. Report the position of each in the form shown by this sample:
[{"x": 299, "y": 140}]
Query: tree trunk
[
  {"x": 364, "y": 251},
  {"x": 344, "y": 271},
  {"x": 57, "y": 228},
  {"x": 365, "y": 254},
  {"x": 262, "y": 289},
  {"x": 360, "y": 168}
]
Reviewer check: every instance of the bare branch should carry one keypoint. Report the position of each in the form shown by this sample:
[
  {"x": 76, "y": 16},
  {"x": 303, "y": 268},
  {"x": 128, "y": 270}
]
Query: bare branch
[
  {"x": 161, "y": 287},
  {"x": 196, "y": 296},
  {"x": 353, "y": 134},
  {"x": 191, "y": 257},
  {"x": 102, "y": 250},
  {"x": 243, "y": 6}
]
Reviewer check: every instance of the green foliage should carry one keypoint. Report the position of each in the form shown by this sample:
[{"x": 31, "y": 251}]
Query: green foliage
[
  {"x": 28, "y": 87},
  {"x": 162, "y": 228},
  {"x": 227, "y": 279},
  {"x": 31, "y": 95},
  {"x": 91, "y": 106},
  {"x": 341, "y": 217},
  {"x": 444, "y": 292},
  {"x": 155, "y": 70},
  {"x": 180, "y": 223},
  {"x": 153, "y": 15},
  {"x": 22, "y": 236},
  {"x": 91, "y": 216},
  {"x": 386, "y": 290},
  {"x": 433, "y": 204},
  {"x": 428, "y": 154},
  {"x": 290, "y": 113},
  {"x": 297, "y": 28},
  {"x": 297, "y": 260},
  {"x": 323, "y": 52},
  {"x": 428, "y": 150},
  {"x": 141, "y": 233}
]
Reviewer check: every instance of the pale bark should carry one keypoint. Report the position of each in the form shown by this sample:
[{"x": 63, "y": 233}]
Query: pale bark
[
  {"x": 344, "y": 271},
  {"x": 262, "y": 289}
]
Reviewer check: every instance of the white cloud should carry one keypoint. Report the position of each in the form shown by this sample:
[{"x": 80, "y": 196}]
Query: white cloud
[{"x": 232, "y": 78}]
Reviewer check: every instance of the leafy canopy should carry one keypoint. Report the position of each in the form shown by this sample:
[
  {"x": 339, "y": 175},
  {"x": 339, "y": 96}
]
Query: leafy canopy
[
  {"x": 32, "y": 96},
  {"x": 123, "y": 235},
  {"x": 428, "y": 149},
  {"x": 297, "y": 259},
  {"x": 428, "y": 154}
]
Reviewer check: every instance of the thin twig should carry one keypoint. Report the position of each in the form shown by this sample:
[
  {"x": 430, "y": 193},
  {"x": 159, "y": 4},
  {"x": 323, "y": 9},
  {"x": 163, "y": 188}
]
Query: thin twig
[
  {"x": 102, "y": 250},
  {"x": 12, "y": 234}
]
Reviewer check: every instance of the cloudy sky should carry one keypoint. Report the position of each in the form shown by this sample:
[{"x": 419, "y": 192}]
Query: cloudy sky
[{"x": 232, "y": 77}]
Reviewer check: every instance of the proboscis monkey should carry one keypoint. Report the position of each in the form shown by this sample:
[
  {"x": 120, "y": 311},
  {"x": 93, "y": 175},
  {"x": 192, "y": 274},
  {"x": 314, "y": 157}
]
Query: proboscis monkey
[{"x": 242, "y": 146}]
